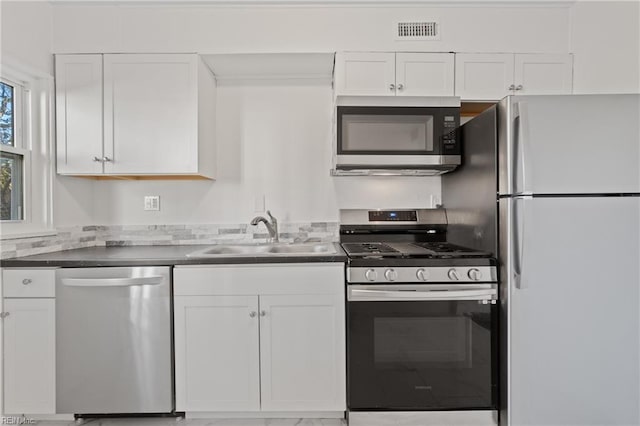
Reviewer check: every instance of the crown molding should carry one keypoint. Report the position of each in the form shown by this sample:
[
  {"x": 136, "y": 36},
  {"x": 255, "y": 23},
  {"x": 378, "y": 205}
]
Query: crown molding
[{"x": 321, "y": 3}]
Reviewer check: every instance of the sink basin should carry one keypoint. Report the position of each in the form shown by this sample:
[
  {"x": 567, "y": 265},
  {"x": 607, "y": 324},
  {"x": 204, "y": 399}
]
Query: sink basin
[
  {"x": 303, "y": 249},
  {"x": 233, "y": 250},
  {"x": 226, "y": 250}
]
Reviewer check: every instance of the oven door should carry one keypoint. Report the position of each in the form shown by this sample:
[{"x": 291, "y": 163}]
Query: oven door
[{"x": 422, "y": 347}]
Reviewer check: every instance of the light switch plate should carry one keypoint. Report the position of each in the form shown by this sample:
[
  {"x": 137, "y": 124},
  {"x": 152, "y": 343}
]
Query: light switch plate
[{"x": 152, "y": 202}]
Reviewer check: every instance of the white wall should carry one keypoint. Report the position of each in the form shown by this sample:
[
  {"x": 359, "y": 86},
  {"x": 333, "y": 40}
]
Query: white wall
[
  {"x": 26, "y": 34},
  {"x": 26, "y": 46},
  {"x": 605, "y": 39},
  {"x": 275, "y": 141},
  {"x": 606, "y": 60},
  {"x": 211, "y": 29}
]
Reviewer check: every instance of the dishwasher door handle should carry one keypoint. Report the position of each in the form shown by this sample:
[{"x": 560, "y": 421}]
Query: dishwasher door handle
[{"x": 112, "y": 282}]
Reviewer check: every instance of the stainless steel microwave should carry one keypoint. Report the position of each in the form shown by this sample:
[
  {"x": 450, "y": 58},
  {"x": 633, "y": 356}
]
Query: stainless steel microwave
[{"x": 396, "y": 137}]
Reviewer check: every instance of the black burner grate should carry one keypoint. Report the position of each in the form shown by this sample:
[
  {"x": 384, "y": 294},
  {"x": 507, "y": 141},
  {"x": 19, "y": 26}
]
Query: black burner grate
[{"x": 373, "y": 249}]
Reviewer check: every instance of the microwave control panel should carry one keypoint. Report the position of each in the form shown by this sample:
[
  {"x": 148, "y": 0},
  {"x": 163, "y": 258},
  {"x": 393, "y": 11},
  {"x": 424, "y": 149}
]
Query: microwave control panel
[{"x": 449, "y": 135}]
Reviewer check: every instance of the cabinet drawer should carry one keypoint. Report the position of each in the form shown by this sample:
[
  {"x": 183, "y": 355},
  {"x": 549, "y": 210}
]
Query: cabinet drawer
[
  {"x": 294, "y": 278},
  {"x": 29, "y": 282}
]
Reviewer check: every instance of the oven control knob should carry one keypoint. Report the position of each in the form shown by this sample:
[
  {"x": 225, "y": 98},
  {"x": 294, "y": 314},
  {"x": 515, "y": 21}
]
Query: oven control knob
[
  {"x": 371, "y": 275},
  {"x": 422, "y": 274},
  {"x": 453, "y": 275},
  {"x": 474, "y": 274},
  {"x": 390, "y": 275}
]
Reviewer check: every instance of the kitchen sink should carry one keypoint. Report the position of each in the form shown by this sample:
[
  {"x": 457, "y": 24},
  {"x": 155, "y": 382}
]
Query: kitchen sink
[
  {"x": 233, "y": 250},
  {"x": 302, "y": 249}
]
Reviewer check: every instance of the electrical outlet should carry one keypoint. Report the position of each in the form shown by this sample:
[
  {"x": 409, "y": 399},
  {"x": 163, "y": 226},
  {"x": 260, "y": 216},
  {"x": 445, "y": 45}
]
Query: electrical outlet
[{"x": 152, "y": 202}]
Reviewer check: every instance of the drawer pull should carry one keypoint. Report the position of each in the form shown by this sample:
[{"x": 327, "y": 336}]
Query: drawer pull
[
  {"x": 3, "y": 315},
  {"x": 26, "y": 281}
]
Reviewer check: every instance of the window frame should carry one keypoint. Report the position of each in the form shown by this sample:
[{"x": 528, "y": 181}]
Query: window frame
[
  {"x": 21, "y": 142},
  {"x": 37, "y": 145}
]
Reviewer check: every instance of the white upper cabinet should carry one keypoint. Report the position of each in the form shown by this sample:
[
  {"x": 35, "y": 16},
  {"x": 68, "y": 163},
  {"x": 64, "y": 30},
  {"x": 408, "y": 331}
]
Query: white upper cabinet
[
  {"x": 492, "y": 76},
  {"x": 394, "y": 74},
  {"x": 150, "y": 114},
  {"x": 538, "y": 74},
  {"x": 158, "y": 112},
  {"x": 365, "y": 73},
  {"x": 483, "y": 76},
  {"x": 424, "y": 74},
  {"x": 79, "y": 114}
]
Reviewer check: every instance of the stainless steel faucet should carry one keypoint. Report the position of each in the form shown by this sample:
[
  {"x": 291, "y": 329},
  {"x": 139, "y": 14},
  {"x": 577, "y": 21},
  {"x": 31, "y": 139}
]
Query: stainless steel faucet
[{"x": 272, "y": 226}]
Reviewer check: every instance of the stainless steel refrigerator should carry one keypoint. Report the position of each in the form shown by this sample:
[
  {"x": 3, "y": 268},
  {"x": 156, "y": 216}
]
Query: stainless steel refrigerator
[{"x": 551, "y": 185}]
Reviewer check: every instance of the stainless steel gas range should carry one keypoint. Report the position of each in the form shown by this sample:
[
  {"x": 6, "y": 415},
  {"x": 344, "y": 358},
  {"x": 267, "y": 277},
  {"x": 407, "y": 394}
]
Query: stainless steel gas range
[{"x": 422, "y": 317}]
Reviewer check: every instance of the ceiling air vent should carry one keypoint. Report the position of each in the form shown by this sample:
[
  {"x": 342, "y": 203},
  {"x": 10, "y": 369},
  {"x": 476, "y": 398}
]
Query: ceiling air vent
[{"x": 417, "y": 31}]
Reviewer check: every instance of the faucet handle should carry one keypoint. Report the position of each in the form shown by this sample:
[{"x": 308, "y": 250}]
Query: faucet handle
[{"x": 273, "y": 219}]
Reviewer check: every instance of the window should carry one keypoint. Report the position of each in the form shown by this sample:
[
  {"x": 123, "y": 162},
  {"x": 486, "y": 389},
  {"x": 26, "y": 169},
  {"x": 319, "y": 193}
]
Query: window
[
  {"x": 26, "y": 162},
  {"x": 13, "y": 151}
]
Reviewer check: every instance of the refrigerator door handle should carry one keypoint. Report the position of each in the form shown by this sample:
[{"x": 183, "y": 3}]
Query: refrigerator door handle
[
  {"x": 518, "y": 241},
  {"x": 522, "y": 223},
  {"x": 522, "y": 161}
]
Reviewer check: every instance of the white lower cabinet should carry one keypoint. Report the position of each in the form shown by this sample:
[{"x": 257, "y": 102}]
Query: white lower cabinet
[
  {"x": 29, "y": 356},
  {"x": 265, "y": 348},
  {"x": 300, "y": 357},
  {"x": 28, "y": 341},
  {"x": 217, "y": 353}
]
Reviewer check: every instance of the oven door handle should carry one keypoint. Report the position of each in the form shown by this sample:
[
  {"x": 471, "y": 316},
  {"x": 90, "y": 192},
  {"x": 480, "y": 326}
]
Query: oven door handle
[{"x": 357, "y": 295}]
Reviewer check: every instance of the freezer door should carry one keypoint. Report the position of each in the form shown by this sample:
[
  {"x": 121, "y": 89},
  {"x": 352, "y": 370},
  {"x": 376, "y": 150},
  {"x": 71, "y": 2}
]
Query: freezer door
[
  {"x": 113, "y": 340},
  {"x": 571, "y": 299},
  {"x": 572, "y": 144}
]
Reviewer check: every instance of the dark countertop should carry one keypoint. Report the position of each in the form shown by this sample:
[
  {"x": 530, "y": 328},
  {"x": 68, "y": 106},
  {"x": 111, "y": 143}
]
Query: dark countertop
[{"x": 153, "y": 256}]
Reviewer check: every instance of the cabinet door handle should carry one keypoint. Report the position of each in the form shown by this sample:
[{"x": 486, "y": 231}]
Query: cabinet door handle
[
  {"x": 96, "y": 159},
  {"x": 392, "y": 87},
  {"x": 263, "y": 313},
  {"x": 400, "y": 86},
  {"x": 106, "y": 159},
  {"x": 253, "y": 314},
  {"x": 519, "y": 87},
  {"x": 512, "y": 87},
  {"x": 26, "y": 281},
  {"x": 3, "y": 315}
]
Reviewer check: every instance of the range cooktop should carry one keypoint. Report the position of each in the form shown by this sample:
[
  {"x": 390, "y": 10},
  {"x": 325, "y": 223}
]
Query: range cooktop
[
  {"x": 403, "y": 238},
  {"x": 441, "y": 250}
]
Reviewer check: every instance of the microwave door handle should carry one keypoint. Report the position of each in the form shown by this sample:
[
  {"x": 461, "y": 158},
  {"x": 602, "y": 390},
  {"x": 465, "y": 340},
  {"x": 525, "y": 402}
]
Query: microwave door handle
[{"x": 400, "y": 295}]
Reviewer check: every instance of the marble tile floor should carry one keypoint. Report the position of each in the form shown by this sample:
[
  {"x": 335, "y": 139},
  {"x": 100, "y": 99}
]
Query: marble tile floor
[{"x": 167, "y": 421}]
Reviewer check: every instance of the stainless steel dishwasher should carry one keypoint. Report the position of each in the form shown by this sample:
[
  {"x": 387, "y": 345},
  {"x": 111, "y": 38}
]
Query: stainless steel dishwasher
[{"x": 113, "y": 340}]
